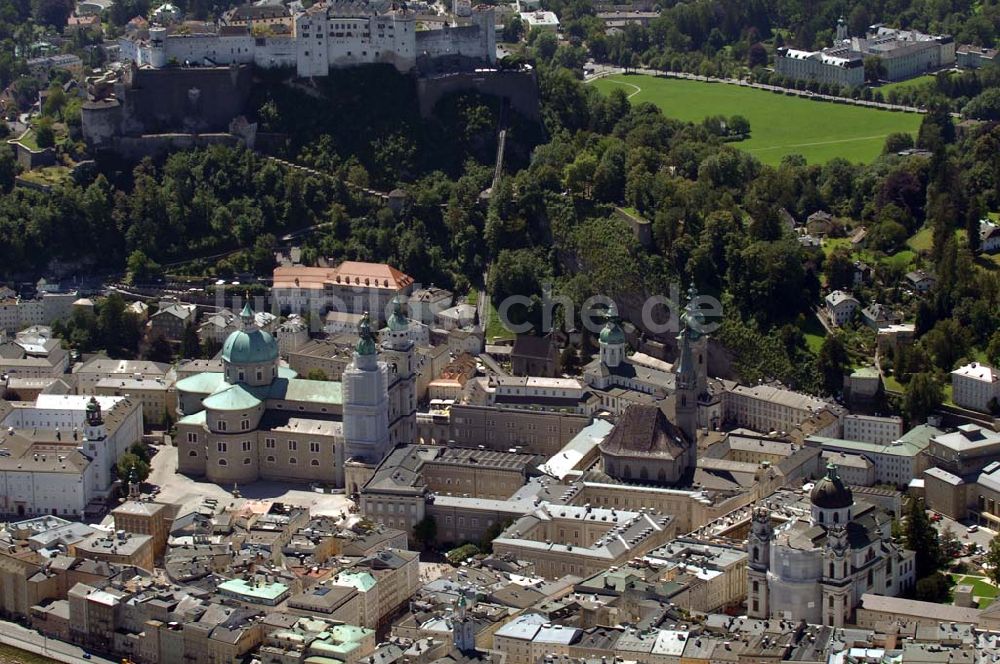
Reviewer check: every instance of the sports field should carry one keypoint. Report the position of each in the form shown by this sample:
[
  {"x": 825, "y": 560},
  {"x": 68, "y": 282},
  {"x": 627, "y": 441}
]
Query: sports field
[{"x": 779, "y": 124}]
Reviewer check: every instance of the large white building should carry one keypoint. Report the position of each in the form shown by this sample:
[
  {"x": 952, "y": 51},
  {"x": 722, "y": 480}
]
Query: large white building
[
  {"x": 873, "y": 428},
  {"x": 352, "y": 287},
  {"x": 976, "y": 386},
  {"x": 896, "y": 462},
  {"x": 18, "y": 313},
  {"x": 58, "y": 453},
  {"x": 903, "y": 54},
  {"x": 327, "y": 35},
  {"x": 828, "y": 552},
  {"x": 769, "y": 408},
  {"x": 836, "y": 66}
]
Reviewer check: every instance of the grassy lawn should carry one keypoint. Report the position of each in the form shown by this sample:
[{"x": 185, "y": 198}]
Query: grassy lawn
[
  {"x": 12, "y": 654},
  {"x": 980, "y": 586},
  {"x": 472, "y": 298},
  {"x": 830, "y": 244},
  {"x": 27, "y": 139},
  {"x": 921, "y": 240},
  {"x": 780, "y": 124},
  {"x": 892, "y": 384},
  {"x": 814, "y": 333},
  {"x": 51, "y": 175},
  {"x": 494, "y": 328},
  {"x": 903, "y": 259},
  {"x": 910, "y": 84}
]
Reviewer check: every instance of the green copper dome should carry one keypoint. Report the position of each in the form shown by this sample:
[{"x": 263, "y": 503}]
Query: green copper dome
[
  {"x": 397, "y": 321},
  {"x": 250, "y": 347},
  {"x": 612, "y": 332},
  {"x": 366, "y": 339}
]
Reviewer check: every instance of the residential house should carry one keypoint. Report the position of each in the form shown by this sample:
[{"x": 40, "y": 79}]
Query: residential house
[
  {"x": 877, "y": 316},
  {"x": 425, "y": 303},
  {"x": 821, "y": 223},
  {"x": 840, "y": 307},
  {"x": 863, "y": 273},
  {"x": 976, "y": 386},
  {"x": 171, "y": 320},
  {"x": 859, "y": 238},
  {"x": 459, "y": 316},
  {"x": 920, "y": 280},
  {"x": 989, "y": 236}
]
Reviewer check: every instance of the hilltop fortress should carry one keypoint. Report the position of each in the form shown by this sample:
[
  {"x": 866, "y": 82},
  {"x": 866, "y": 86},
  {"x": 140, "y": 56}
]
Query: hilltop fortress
[{"x": 337, "y": 34}]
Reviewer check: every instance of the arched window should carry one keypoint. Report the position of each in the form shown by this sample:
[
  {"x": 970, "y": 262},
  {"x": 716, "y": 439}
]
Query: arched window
[
  {"x": 821, "y": 517},
  {"x": 871, "y": 577},
  {"x": 831, "y": 570},
  {"x": 756, "y": 586},
  {"x": 314, "y": 462},
  {"x": 246, "y": 462},
  {"x": 662, "y": 475},
  {"x": 223, "y": 462},
  {"x": 643, "y": 473},
  {"x": 192, "y": 453},
  {"x": 628, "y": 472},
  {"x": 756, "y": 554},
  {"x": 836, "y": 517}
]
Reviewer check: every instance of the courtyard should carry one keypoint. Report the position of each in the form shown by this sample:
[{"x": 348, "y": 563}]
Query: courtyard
[{"x": 191, "y": 492}]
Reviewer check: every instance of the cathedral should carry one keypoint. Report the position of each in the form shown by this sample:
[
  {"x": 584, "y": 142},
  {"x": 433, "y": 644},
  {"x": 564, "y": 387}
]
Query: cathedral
[
  {"x": 258, "y": 420},
  {"x": 827, "y": 552}
]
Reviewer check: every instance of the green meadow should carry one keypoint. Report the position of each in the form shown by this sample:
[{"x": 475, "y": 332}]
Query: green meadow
[{"x": 780, "y": 124}]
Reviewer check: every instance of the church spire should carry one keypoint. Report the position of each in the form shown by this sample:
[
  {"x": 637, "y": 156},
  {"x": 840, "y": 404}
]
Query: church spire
[
  {"x": 247, "y": 315},
  {"x": 366, "y": 338}
]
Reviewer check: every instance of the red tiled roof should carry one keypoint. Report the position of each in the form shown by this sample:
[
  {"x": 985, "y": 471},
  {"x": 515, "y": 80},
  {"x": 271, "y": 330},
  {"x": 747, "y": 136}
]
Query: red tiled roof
[{"x": 373, "y": 275}]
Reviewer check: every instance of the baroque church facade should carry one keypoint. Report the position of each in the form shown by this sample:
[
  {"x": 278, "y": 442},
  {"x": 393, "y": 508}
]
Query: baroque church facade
[
  {"x": 816, "y": 565},
  {"x": 258, "y": 420}
]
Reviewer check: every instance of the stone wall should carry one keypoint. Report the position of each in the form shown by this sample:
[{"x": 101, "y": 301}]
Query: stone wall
[
  {"x": 184, "y": 99},
  {"x": 135, "y": 148},
  {"x": 520, "y": 87}
]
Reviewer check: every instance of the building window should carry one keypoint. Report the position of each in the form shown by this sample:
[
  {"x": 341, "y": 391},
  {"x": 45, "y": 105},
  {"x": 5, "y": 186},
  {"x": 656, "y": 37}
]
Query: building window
[
  {"x": 246, "y": 461},
  {"x": 223, "y": 462},
  {"x": 222, "y": 425},
  {"x": 314, "y": 448},
  {"x": 192, "y": 453},
  {"x": 269, "y": 443},
  {"x": 221, "y": 447},
  {"x": 244, "y": 425},
  {"x": 314, "y": 462},
  {"x": 270, "y": 459},
  {"x": 292, "y": 461},
  {"x": 192, "y": 437},
  {"x": 292, "y": 445}
]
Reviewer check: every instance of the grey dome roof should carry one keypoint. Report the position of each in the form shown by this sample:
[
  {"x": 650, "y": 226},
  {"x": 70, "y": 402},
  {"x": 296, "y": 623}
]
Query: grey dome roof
[{"x": 830, "y": 492}]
